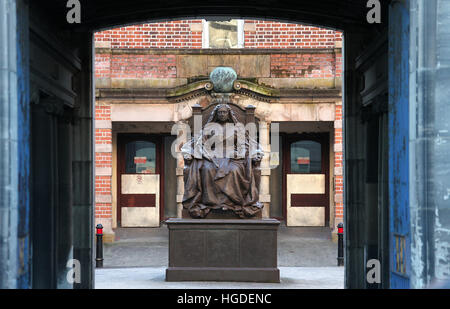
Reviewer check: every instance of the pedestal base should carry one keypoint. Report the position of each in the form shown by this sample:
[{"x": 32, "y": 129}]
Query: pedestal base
[{"x": 223, "y": 250}]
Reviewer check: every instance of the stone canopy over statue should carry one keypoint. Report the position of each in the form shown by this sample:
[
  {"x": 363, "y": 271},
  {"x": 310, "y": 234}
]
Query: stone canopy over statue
[{"x": 222, "y": 167}]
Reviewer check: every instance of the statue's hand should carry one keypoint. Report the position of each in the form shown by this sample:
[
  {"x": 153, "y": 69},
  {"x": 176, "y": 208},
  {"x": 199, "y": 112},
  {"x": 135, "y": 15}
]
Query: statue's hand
[
  {"x": 258, "y": 157},
  {"x": 187, "y": 158}
]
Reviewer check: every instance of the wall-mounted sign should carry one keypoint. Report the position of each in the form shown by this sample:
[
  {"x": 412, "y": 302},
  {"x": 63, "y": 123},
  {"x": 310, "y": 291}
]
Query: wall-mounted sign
[
  {"x": 140, "y": 160},
  {"x": 303, "y": 160},
  {"x": 274, "y": 159}
]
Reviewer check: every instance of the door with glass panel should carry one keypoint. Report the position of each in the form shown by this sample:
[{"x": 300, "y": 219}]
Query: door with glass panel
[
  {"x": 139, "y": 162},
  {"x": 306, "y": 180}
]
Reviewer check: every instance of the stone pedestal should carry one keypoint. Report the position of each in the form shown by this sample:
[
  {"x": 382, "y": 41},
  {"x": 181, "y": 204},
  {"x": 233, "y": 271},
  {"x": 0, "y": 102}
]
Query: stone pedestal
[{"x": 223, "y": 250}]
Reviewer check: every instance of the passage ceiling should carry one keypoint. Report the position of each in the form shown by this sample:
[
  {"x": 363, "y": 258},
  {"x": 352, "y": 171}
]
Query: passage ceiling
[{"x": 102, "y": 14}]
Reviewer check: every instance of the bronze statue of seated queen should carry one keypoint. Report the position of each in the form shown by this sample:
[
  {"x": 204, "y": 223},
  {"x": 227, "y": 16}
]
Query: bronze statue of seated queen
[{"x": 222, "y": 168}]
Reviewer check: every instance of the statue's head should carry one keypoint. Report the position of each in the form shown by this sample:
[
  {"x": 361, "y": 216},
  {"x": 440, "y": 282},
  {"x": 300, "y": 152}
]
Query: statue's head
[{"x": 223, "y": 113}]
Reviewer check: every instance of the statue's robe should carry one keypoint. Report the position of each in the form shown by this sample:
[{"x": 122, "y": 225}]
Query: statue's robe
[{"x": 215, "y": 181}]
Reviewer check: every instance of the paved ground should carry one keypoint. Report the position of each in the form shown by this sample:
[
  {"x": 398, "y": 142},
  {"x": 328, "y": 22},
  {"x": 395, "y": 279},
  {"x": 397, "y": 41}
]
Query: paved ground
[
  {"x": 139, "y": 256},
  {"x": 154, "y": 278}
]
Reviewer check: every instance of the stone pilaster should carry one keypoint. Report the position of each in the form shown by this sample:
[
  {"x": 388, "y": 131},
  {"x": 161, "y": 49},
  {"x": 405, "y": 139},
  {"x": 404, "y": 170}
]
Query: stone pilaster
[
  {"x": 182, "y": 138},
  {"x": 264, "y": 189},
  {"x": 9, "y": 148}
]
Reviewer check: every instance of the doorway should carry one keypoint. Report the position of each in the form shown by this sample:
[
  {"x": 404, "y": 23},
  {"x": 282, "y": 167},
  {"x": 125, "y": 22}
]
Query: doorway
[
  {"x": 306, "y": 173},
  {"x": 140, "y": 177}
]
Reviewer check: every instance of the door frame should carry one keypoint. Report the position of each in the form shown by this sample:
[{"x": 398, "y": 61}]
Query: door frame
[
  {"x": 122, "y": 139},
  {"x": 324, "y": 139}
]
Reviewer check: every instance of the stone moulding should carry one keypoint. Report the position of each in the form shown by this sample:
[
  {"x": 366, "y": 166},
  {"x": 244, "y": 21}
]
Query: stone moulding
[
  {"x": 255, "y": 91},
  {"x": 189, "y": 91},
  {"x": 205, "y": 87},
  {"x": 233, "y": 51},
  {"x": 158, "y": 96}
]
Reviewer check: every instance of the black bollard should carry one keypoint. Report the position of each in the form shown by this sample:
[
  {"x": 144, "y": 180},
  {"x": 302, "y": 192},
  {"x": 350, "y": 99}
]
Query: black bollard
[
  {"x": 340, "y": 258},
  {"x": 99, "y": 258}
]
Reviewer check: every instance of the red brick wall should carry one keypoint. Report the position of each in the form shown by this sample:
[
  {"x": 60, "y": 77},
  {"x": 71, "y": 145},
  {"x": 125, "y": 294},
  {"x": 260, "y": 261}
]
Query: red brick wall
[
  {"x": 178, "y": 34},
  {"x": 143, "y": 66},
  {"x": 268, "y": 34},
  {"x": 103, "y": 210},
  {"x": 338, "y": 166},
  {"x": 304, "y": 65},
  {"x": 103, "y": 184},
  {"x": 103, "y": 160},
  {"x": 173, "y": 34},
  {"x": 313, "y": 65},
  {"x": 102, "y": 65},
  {"x": 338, "y": 65},
  {"x": 102, "y": 112},
  {"x": 103, "y": 136}
]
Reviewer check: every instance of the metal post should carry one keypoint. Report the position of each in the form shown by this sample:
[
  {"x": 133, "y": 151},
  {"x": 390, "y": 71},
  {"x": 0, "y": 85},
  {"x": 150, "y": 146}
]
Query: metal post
[
  {"x": 99, "y": 258},
  {"x": 340, "y": 258}
]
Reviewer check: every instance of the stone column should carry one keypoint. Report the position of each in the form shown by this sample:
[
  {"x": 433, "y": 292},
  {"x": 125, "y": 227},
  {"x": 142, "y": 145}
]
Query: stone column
[
  {"x": 354, "y": 169},
  {"x": 64, "y": 228},
  {"x": 264, "y": 189},
  {"x": 429, "y": 141},
  {"x": 83, "y": 167},
  {"x": 14, "y": 145}
]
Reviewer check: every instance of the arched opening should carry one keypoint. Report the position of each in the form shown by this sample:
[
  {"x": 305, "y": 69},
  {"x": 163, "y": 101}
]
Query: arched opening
[
  {"x": 227, "y": 16},
  {"x": 187, "y": 15},
  {"x": 295, "y": 74}
]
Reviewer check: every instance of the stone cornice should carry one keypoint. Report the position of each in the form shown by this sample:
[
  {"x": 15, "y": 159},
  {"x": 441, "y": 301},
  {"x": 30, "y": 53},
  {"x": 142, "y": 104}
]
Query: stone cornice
[
  {"x": 158, "y": 96},
  {"x": 232, "y": 51}
]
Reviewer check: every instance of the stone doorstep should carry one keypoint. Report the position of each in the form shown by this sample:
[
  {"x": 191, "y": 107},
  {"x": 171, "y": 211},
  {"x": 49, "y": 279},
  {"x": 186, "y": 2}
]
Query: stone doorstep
[
  {"x": 334, "y": 237},
  {"x": 108, "y": 238}
]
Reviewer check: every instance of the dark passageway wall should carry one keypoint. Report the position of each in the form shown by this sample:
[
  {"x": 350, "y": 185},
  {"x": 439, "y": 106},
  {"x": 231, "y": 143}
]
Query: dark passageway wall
[
  {"x": 62, "y": 154},
  {"x": 429, "y": 143}
]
